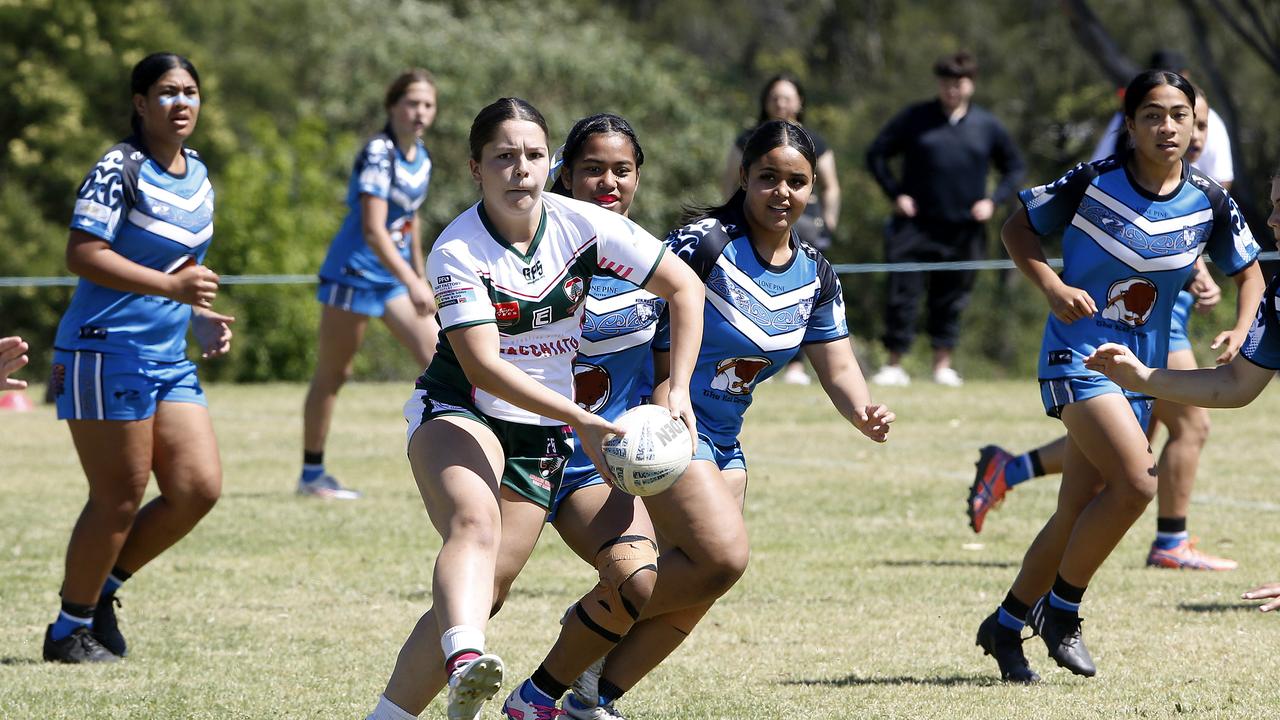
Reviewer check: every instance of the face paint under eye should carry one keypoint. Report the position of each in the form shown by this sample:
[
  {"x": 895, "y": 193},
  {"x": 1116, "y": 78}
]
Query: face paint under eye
[{"x": 168, "y": 101}]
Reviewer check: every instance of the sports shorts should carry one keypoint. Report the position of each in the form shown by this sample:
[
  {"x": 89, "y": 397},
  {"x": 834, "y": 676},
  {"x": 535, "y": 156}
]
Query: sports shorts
[
  {"x": 364, "y": 301},
  {"x": 1058, "y": 393},
  {"x": 90, "y": 385}
]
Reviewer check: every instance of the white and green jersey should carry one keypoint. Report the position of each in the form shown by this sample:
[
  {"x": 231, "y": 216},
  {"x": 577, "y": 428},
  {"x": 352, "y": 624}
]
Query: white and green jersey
[{"x": 535, "y": 298}]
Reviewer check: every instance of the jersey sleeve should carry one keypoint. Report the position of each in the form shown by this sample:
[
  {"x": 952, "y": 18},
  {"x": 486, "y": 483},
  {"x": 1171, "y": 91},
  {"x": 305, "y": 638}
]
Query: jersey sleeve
[
  {"x": 1262, "y": 345},
  {"x": 373, "y": 169},
  {"x": 625, "y": 249},
  {"x": 1051, "y": 207},
  {"x": 105, "y": 196},
  {"x": 1231, "y": 243},
  {"x": 827, "y": 320},
  {"x": 461, "y": 296}
]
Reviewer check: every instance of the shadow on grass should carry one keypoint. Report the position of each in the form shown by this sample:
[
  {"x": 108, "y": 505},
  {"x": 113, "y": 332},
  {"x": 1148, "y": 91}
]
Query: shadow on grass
[
  {"x": 951, "y": 563},
  {"x": 19, "y": 661},
  {"x": 1215, "y": 607},
  {"x": 937, "y": 680}
]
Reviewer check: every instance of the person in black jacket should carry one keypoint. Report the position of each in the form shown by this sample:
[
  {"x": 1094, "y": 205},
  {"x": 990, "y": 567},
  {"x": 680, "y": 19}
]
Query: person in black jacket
[{"x": 941, "y": 204}]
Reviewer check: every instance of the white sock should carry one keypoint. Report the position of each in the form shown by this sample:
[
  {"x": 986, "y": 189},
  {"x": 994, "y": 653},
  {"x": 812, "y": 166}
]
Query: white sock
[
  {"x": 459, "y": 638},
  {"x": 387, "y": 710}
]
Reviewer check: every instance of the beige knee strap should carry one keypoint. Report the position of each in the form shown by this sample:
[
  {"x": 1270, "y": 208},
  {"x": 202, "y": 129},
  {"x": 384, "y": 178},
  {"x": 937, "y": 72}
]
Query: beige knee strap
[{"x": 605, "y": 610}]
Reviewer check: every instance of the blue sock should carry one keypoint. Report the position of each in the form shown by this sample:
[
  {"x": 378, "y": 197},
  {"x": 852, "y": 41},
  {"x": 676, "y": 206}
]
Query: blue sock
[
  {"x": 311, "y": 473},
  {"x": 71, "y": 618},
  {"x": 113, "y": 583},
  {"x": 533, "y": 693},
  {"x": 1169, "y": 541},
  {"x": 1059, "y": 603},
  {"x": 571, "y": 698},
  {"x": 1009, "y": 620},
  {"x": 1018, "y": 470}
]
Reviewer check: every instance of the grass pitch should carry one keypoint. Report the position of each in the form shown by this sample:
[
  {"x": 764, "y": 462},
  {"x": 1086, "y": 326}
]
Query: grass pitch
[{"x": 863, "y": 595}]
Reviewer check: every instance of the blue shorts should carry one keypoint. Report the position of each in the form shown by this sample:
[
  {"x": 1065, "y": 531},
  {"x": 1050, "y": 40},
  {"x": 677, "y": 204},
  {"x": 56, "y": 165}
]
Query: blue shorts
[
  {"x": 575, "y": 478},
  {"x": 363, "y": 301},
  {"x": 96, "y": 386},
  {"x": 1178, "y": 339},
  {"x": 1061, "y": 392},
  {"x": 726, "y": 457}
]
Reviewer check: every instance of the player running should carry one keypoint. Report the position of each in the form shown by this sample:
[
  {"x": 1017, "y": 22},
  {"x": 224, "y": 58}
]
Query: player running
[
  {"x": 141, "y": 227},
  {"x": 489, "y": 422},
  {"x": 768, "y": 297},
  {"x": 1133, "y": 227},
  {"x": 374, "y": 266}
]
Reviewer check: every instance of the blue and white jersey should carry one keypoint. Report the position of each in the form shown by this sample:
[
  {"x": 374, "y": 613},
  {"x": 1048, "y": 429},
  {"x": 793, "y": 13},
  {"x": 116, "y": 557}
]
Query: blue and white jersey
[
  {"x": 1133, "y": 252},
  {"x": 756, "y": 317},
  {"x": 380, "y": 171},
  {"x": 1262, "y": 346},
  {"x": 614, "y": 368},
  {"x": 154, "y": 219}
]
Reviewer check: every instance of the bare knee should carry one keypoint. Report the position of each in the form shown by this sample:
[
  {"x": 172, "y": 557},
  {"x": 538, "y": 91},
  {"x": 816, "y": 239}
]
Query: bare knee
[
  {"x": 476, "y": 529},
  {"x": 1192, "y": 427},
  {"x": 117, "y": 509},
  {"x": 1136, "y": 491},
  {"x": 723, "y": 569},
  {"x": 197, "y": 497}
]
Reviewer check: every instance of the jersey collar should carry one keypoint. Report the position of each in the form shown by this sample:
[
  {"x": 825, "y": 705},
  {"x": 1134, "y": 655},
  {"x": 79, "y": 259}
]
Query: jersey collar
[{"x": 497, "y": 236}]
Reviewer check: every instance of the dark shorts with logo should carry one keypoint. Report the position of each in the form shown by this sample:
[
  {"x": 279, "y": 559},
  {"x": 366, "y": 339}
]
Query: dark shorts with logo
[{"x": 535, "y": 454}]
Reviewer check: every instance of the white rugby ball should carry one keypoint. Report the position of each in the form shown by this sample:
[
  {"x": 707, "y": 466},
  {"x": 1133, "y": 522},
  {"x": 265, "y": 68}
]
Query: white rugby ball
[{"x": 652, "y": 455}]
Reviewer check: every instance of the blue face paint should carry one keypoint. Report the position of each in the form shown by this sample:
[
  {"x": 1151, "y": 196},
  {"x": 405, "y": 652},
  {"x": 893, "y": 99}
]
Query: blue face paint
[{"x": 168, "y": 101}]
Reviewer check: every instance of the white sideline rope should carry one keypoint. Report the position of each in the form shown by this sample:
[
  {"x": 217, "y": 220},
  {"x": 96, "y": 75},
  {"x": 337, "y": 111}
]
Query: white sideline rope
[{"x": 841, "y": 269}]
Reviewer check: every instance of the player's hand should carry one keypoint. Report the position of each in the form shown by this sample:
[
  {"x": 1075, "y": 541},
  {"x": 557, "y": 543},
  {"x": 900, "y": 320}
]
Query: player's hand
[
  {"x": 194, "y": 285},
  {"x": 1230, "y": 341},
  {"x": 212, "y": 332},
  {"x": 873, "y": 421},
  {"x": 13, "y": 356},
  {"x": 420, "y": 296},
  {"x": 983, "y": 210},
  {"x": 1070, "y": 304},
  {"x": 905, "y": 205},
  {"x": 1206, "y": 291},
  {"x": 682, "y": 408},
  {"x": 592, "y": 430},
  {"x": 1120, "y": 364},
  {"x": 1262, "y": 592}
]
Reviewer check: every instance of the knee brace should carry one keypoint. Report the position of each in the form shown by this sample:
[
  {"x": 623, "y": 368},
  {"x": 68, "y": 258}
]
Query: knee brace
[{"x": 605, "y": 610}]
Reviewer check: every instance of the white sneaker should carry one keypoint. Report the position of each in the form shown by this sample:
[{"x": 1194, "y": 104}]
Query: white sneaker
[
  {"x": 327, "y": 486},
  {"x": 471, "y": 684},
  {"x": 891, "y": 376},
  {"x": 795, "y": 375},
  {"x": 947, "y": 376},
  {"x": 597, "y": 712}
]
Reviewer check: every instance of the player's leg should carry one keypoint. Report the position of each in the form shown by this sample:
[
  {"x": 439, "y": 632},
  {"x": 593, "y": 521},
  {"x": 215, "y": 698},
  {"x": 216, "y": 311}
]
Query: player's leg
[
  {"x": 949, "y": 292},
  {"x": 340, "y": 335},
  {"x": 417, "y": 334},
  {"x": 999, "y": 471}
]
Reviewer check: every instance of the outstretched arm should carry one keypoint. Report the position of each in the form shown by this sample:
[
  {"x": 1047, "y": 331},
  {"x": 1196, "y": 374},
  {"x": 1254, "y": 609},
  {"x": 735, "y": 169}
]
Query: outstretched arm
[
  {"x": 1232, "y": 385},
  {"x": 842, "y": 380}
]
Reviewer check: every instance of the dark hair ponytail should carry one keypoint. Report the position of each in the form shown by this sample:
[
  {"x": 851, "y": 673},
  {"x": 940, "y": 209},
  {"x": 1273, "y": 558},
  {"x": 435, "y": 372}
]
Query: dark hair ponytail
[
  {"x": 496, "y": 113},
  {"x": 150, "y": 69},
  {"x": 583, "y": 130},
  {"x": 767, "y": 137}
]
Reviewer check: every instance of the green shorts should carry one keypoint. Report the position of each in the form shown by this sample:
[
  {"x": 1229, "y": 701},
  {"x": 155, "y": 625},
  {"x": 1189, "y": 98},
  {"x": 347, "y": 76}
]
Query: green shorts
[{"x": 535, "y": 454}]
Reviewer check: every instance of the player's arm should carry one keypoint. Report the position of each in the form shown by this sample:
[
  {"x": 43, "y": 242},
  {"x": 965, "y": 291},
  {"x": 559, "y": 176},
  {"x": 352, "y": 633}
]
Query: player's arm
[
  {"x": 1067, "y": 303},
  {"x": 13, "y": 356},
  {"x": 675, "y": 282},
  {"x": 830, "y": 189},
  {"x": 842, "y": 380},
  {"x": 1249, "y": 288},
  {"x": 373, "y": 219},
  {"x": 93, "y": 259},
  {"x": 415, "y": 246},
  {"x": 477, "y": 346},
  {"x": 1269, "y": 592},
  {"x": 1232, "y": 385}
]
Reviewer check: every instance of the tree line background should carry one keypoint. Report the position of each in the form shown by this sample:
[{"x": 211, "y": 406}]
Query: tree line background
[{"x": 292, "y": 87}]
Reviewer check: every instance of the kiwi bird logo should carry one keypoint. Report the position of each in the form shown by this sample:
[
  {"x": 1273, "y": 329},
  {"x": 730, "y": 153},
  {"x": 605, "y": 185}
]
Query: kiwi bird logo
[
  {"x": 591, "y": 386},
  {"x": 738, "y": 375},
  {"x": 1130, "y": 301}
]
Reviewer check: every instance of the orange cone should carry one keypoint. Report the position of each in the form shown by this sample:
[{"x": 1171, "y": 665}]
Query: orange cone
[{"x": 15, "y": 400}]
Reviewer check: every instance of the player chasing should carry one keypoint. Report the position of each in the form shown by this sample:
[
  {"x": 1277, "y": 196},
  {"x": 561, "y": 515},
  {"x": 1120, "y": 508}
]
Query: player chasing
[
  {"x": 1133, "y": 227},
  {"x": 490, "y": 419},
  {"x": 142, "y": 224}
]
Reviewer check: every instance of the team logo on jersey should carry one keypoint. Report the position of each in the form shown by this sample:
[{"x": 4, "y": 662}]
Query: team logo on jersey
[
  {"x": 805, "y": 310},
  {"x": 533, "y": 272},
  {"x": 573, "y": 289},
  {"x": 737, "y": 375},
  {"x": 1130, "y": 301},
  {"x": 646, "y": 310},
  {"x": 541, "y": 316},
  {"x": 506, "y": 313},
  {"x": 591, "y": 386}
]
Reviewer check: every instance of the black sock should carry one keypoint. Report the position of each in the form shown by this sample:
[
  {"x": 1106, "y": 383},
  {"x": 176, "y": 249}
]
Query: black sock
[
  {"x": 608, "y": 691},
  {"x": 1015, "y": 607},
  {"x": 1037, "y": 470},
  {"x": 1171, "y": 525},
  {"x": 312, "y": 458},
  {"x": 1067, "y": 591},
  {"x": 548, "y": 684}
]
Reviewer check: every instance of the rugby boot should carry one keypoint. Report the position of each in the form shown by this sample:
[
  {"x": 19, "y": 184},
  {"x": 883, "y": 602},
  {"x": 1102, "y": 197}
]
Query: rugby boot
[
  {"x": 989, "y": 485},
  {"x": 471, "y": 685},
  {"x": 105, "y": 628},
  {"x": 1185, "y": 556},
  {"x": 1005, "y": 645},
  {"x": 1060, "y": 631},
  {"x": 78, "y": 647}
]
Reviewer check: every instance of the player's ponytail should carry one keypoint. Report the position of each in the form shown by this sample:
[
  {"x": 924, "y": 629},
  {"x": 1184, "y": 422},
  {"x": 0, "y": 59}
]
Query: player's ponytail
[{"x": 150, "y": 69}]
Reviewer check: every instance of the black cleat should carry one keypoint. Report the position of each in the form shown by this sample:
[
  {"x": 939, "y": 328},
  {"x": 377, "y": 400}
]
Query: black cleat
[
  {"x": 78, "y": 647},
  {"x": 1060, "y": 631},
  {"x": 105, "y": 629},
  {"x": 1005, "y": 646}
]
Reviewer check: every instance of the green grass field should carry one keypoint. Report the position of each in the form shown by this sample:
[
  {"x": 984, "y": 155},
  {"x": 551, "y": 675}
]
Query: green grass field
[{"x": 863, "y": 595}]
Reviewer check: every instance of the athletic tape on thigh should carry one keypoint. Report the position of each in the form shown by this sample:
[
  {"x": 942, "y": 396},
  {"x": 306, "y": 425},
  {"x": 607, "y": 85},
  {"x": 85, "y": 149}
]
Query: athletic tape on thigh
[{"x": 605, "y": 610}]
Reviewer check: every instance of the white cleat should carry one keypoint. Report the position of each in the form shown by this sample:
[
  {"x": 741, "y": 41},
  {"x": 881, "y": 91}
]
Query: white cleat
[
  {"x": 327, "y": 487},
  {"x": 471, "y": 685},
  {"x": 948, "y": 377},
  {"x": 891, "y": 376},
  {"x": 596, "y": 712}
]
